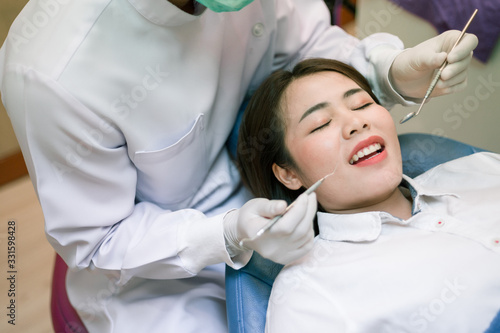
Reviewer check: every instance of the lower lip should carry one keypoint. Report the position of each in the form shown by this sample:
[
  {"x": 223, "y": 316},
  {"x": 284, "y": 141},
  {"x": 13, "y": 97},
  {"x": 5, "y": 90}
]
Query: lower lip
[{"x": 374, "y": 160}]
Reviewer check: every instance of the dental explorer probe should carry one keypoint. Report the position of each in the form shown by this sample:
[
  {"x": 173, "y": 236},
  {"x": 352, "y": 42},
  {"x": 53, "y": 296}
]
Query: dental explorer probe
[
  {"x": 278, "y": 217},
  {"x": 437, "y": 76}
]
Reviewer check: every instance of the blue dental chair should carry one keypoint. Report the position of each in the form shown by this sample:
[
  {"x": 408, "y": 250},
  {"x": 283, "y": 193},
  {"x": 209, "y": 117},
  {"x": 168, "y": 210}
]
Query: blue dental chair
[{"x": 248, "y": 289}]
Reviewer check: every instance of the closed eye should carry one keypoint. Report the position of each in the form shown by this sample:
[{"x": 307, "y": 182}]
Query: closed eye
[
  {"x": 322, "y": 126},
  {"x": 363, "y": 106}
]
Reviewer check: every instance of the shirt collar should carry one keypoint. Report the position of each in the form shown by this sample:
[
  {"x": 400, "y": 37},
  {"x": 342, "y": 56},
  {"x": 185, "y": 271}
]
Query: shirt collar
[
  {"x": 420, "y": 193},
  {"x": 367, "y": 226},
  {"x": 164, "y": 13}
]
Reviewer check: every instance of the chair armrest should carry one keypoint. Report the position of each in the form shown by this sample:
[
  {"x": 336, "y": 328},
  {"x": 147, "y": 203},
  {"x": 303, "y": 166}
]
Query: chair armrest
[{"x": 247, "y": 294}]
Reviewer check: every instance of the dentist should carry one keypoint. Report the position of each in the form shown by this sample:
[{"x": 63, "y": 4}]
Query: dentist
[{"x": 122, "y": 109}]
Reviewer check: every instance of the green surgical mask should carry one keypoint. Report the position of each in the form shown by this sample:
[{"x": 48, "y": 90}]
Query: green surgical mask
[{"x": 224, "y": 5}]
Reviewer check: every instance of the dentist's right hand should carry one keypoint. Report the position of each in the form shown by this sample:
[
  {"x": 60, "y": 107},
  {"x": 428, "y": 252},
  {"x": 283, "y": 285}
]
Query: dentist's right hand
[{"x": 289, "y": 239}]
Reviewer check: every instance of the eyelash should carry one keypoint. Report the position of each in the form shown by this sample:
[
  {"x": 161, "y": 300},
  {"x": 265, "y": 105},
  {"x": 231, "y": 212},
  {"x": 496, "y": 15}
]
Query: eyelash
[
  {"x": 328, "y": 122},
  {"x": 363, "y": 106},
  {"x": 322, "y": 126}
]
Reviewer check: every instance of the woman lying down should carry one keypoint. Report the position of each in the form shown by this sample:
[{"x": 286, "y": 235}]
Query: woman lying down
[{"x": 393, "y": 254}]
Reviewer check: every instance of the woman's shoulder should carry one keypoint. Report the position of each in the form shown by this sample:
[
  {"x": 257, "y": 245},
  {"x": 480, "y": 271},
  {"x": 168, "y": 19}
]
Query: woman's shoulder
[{"x": 468, "y": 172}]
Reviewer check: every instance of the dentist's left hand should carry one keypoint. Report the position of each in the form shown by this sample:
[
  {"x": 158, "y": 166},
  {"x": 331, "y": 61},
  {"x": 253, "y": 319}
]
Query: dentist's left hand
[
  {"x": 289, "y": 239},
  {"x": 412, "y": 70}
]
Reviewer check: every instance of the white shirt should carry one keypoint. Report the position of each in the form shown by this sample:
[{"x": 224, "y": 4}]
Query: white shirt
[
  {"x": 122, "y": 109},
  {"x": 438, "y": 271}
]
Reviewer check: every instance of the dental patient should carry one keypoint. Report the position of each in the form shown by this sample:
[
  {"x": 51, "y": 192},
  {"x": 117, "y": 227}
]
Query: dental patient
[{"x": 392, "y": 254}]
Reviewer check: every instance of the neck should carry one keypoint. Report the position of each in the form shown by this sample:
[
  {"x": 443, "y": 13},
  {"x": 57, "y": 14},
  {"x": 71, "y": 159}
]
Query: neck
[
  {"x": 184, "y": 5},
  {"x": 399, "y": 205},
  {"x": 395, "y": 204}
]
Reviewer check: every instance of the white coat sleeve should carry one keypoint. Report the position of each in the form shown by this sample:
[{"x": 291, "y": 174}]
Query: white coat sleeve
[
  {"x": 304, "y": 31},
  {"x": 86, "y": 185}
]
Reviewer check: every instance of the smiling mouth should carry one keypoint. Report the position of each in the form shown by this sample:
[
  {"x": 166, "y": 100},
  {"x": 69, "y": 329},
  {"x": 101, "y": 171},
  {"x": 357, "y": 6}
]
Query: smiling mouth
[{"x": 366, "y": 153}]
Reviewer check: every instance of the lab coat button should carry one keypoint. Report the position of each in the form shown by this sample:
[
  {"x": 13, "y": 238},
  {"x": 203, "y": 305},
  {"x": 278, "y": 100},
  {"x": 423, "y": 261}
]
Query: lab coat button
[
  {"x": 258, "y": 30},
  {"x": 439, "y": 223},
  {"x": 496, "y": 242}
]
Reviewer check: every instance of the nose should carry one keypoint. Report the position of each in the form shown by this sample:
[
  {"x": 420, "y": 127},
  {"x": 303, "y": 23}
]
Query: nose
[{"x": 355, "y": 124}]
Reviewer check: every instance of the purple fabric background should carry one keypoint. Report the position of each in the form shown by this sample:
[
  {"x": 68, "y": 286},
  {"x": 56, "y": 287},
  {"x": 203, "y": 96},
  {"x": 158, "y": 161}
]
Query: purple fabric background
[{"x": 454, "y": 14}]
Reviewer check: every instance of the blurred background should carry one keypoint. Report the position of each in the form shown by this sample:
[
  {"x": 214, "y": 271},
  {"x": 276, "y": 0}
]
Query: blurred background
[
  {"x": 18, "y": 202},
  {"x": 10, "y": 156},
  {"x": 471, "y": 116}
]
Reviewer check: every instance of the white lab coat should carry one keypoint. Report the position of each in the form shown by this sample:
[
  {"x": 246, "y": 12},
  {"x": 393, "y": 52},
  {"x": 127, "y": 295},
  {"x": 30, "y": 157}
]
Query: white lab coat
[{"x": 122, "y": 109}]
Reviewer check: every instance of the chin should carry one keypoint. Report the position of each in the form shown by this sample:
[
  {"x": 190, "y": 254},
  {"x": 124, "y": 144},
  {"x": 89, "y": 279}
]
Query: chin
[{"x": 390, "y": 178}]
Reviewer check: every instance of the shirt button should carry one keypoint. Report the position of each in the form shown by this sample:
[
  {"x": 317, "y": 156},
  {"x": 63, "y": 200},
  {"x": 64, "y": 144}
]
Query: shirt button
[
  {"x": 258, "y": 30},
  {"x": 439, "y": 224}
]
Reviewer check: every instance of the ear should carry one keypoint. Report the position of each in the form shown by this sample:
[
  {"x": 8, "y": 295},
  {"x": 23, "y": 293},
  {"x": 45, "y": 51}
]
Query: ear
[{"x": 287, "y": 177}]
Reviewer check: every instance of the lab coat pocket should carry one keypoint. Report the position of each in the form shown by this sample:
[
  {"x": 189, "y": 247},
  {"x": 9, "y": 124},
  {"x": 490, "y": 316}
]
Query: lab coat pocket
[{"x": 172, "y": 175}]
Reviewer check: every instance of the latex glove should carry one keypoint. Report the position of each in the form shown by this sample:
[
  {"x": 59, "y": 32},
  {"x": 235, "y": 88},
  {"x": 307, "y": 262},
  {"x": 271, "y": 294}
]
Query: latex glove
[
  {"x": 413, "y": 69},
  {"x": 289, "y": 239}
]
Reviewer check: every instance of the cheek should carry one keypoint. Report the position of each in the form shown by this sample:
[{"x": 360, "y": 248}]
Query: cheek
[
  {"x": 314, "y": 157},
  {"x": 383, "y": 118},
  {"x": 318, "y": 150},
  {"x": 386, "y": 125},
  {"x": 317, "y": 156}
]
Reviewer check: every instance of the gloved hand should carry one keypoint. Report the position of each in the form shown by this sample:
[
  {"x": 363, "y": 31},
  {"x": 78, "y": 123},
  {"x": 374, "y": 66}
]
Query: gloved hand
[
  {"x": 412, "y": 70},
  {"x": 289, "y": 239}
]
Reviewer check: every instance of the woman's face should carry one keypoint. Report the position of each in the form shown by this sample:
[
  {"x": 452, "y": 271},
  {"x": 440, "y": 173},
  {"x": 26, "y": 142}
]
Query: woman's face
[{"x": 330, "y": 120}]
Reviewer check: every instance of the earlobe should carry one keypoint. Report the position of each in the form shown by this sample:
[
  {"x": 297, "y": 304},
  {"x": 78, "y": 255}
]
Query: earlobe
[{"x": 287, "y": 177}]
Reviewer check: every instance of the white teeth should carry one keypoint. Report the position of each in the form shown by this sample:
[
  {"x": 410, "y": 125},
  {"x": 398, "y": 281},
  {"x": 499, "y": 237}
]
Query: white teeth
[{"x": 365, "y": 151}]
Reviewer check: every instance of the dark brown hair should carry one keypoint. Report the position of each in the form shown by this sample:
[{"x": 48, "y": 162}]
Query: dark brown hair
[{"x": 261, "y": 139}]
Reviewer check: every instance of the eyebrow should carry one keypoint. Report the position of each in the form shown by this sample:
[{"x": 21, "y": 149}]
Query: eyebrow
[
  {"x": 316, "y": 107},
  {"x": 323, "y": 105},
  {"x": 351, "y": 92}
]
